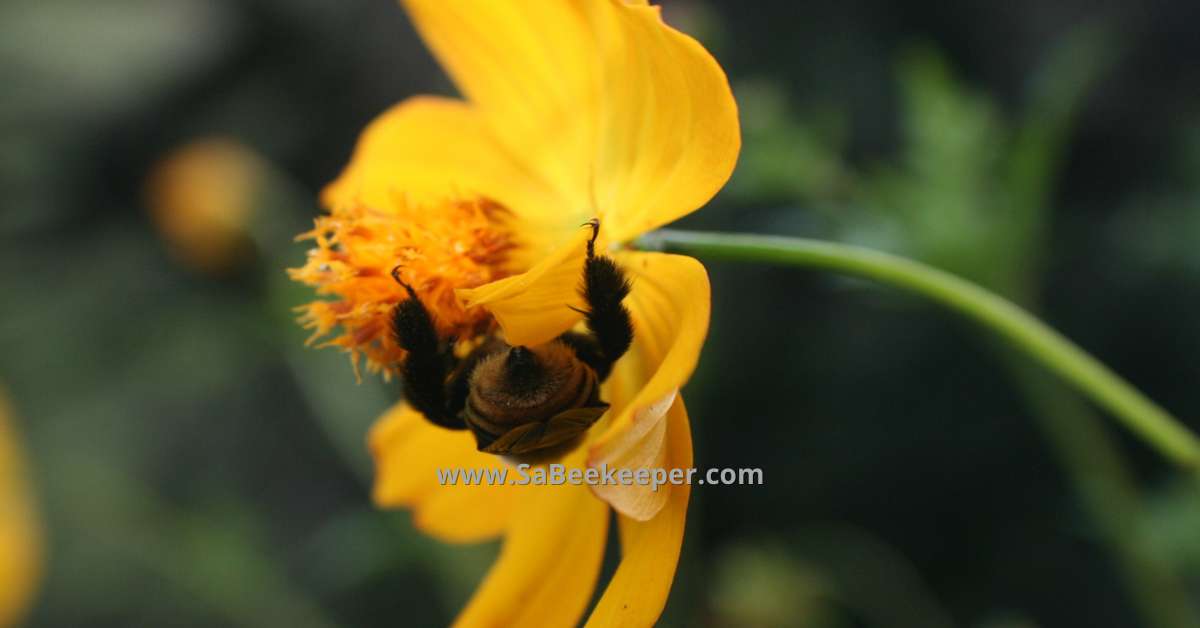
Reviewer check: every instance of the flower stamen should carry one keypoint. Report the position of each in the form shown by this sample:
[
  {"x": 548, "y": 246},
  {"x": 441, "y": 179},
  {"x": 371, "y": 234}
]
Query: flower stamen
[{"x": 457, "y": 243}]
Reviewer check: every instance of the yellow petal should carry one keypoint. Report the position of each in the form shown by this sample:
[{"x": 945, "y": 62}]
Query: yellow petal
[
  {"x": 20, "y": 538},
  {"x": 535, "y": 307},
  {"x": 670, "y": 305},
  {"x": 650, "y": 549},
  {"x": 669, "y": 125},
  {"x": 430, "y": 148},
  {"x": 408, "y": 450},
  {"x": 548, "y": 563},
  {"x": 533, "y": 71},
  {"x": 618, "y": 112}
]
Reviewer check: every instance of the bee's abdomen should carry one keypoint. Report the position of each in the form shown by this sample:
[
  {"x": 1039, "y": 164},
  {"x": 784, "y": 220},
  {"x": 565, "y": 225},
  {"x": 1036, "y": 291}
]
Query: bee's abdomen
[{"x": 497, "y": 404}]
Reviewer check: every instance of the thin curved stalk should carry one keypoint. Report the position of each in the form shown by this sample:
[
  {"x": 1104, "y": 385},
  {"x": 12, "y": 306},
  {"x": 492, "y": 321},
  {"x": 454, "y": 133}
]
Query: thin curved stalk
[{"x": 1012, "y": 324}]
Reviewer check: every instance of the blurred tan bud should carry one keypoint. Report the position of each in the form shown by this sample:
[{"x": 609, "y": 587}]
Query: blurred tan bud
[
  {"x": 202, "y": 197},
  {"x": 20, "y": 529}
]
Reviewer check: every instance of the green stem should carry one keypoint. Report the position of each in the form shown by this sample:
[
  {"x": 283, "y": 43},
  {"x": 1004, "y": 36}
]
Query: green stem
[{"x": 1096, "y": 381}]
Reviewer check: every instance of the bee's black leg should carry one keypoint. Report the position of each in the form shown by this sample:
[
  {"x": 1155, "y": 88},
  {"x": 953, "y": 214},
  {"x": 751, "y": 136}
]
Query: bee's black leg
[
  {"x": 426, "y": 364},
  {"x": 586, "y": 349},
  {"x": 604, "y": 287}
]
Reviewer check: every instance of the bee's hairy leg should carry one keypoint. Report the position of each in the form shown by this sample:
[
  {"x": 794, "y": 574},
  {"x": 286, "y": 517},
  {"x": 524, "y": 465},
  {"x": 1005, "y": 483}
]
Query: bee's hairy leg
[
  {"x": 604, "y": 287},
  {"x": 426, "y": 364},
  {"x": 586, "y": 348}
]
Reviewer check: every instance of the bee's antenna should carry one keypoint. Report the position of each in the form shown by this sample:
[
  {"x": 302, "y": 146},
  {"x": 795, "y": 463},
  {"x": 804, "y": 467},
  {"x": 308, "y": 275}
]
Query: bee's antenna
[{"x": 396, "y": 275}]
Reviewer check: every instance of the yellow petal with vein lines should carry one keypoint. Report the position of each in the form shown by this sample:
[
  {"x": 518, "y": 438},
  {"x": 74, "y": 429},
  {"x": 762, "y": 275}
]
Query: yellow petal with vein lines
[
  {"x": 549, "y": 561},
  {"x": 669, "y": 126},
  {"x": 535, "y": 307},
  {"x": 408, "y": 449},
  {"x": 670, "y": 305},
  {"x": 650, "y": 549},
  {"x": 429, "y": 149},
  {"x": 20, "y": 536},
  {"x": 616, "y": 111},
  {"x": 533, "y": 71}
]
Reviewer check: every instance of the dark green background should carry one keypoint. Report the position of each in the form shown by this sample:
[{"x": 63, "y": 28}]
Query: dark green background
[{"x": 197, "y": 467}]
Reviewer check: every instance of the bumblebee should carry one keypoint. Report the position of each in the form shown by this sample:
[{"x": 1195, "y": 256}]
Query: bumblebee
[{"x": 519, "y": 400}]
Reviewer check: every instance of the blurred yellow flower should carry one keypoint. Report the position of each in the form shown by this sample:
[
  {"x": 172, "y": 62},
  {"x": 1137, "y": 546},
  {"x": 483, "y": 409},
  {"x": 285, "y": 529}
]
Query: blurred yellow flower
[
  {"x": 573, "y": 109},
  {"x": 201, "y": 197},
  {"x": 20, "y": 532}
]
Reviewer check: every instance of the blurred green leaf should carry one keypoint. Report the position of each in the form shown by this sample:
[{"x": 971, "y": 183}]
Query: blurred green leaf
[
  {"x": 105, "y": 57},
  {"x": 784, "y": 157},
  {"x": 944, "y": 188},
  {"x": 764, "y": 586},
  {"x": 216, "y": 555}
]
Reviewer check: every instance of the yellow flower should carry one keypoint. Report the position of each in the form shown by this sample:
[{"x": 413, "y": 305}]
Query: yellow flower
[
  {"x": 573, "y": 109},
  {"x": 20, "y": 537}
]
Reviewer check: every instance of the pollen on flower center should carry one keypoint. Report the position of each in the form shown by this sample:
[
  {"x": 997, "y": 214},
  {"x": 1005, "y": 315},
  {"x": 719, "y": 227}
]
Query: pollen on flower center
[{"x": 441, "y": 247}]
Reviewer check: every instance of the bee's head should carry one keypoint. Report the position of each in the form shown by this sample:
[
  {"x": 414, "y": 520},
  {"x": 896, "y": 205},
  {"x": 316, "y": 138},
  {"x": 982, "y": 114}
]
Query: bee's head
[
  {"x": 524, "y": 368},
  {"x": 524, "y": 376}
]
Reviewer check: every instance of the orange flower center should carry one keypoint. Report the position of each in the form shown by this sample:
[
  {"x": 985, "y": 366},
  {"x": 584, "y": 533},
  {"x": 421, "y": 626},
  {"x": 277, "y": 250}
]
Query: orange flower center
[{"x": 458, "y": 243}]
